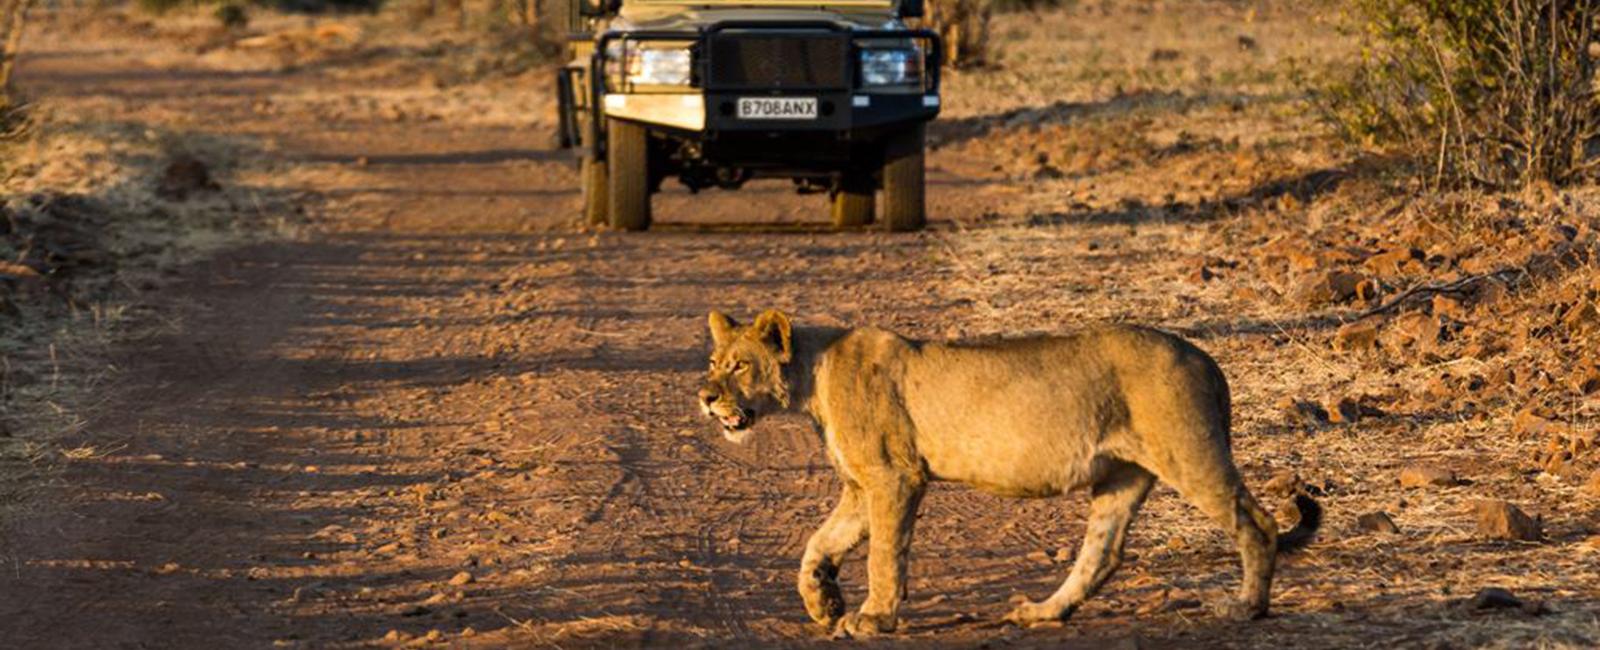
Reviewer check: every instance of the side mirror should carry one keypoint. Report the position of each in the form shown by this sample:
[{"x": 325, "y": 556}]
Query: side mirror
[{"x": 910, "y": 8}]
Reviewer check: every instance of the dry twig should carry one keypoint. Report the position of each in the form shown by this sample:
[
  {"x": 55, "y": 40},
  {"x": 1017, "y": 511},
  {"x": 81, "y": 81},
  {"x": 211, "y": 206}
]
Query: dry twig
[{"x": 1431, "y": 289}]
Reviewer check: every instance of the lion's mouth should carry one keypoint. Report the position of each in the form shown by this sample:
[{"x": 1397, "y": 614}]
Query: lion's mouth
[
  {"x": 738, "y": 421},
  {"x": 735, "y": 425}
]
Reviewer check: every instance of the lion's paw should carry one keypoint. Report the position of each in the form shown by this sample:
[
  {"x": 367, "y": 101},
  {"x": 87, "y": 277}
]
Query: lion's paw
[
  {"x": 1028, "y": 613},
  {"x": 823, "y": 601},
  {"x": 861, "y": 625},
  {"x": 1238, "y": 610}
]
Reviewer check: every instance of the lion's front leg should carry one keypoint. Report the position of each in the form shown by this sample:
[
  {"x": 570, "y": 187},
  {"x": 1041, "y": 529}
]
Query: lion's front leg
[
  {"x": 892, "y": 501},
  {"x": 825, "y": 551}
]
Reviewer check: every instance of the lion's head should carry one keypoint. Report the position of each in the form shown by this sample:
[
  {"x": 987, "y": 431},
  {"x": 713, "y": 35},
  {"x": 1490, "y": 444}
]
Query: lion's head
[{"x": 745, "y": 380}]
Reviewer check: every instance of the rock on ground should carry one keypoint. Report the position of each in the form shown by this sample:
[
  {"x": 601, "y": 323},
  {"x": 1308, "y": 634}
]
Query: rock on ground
[
  {"x": 1426, "y": 475},
  {"x": 1377, "y": 522},
  {"x": 1501, "y": 520}
]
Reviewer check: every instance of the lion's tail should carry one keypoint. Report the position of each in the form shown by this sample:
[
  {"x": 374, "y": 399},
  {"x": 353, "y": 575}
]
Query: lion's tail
[{"x": 1306, "y": 529}]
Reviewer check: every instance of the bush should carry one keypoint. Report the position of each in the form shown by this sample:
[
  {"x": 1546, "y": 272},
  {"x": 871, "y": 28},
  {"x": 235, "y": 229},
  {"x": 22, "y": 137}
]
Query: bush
[
  {"x": 1493, "y": 93},
  {"x": 159, "y": 7},
  {"x": 326, "y": 6},
  {"x": 232, "y": 16},
  {"x": 1015, "y": 6}
]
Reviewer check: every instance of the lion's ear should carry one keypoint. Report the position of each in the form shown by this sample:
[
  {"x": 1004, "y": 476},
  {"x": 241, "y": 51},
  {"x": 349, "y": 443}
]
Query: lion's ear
[
  {"x": 721, "y": 328},
  {"x": 773, "y": 330}
]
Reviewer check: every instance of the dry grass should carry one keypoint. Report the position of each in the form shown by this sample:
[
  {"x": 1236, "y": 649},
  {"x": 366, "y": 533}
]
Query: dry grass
[
  {"x": 1495, "y": 93},
  {"x": 91, "y": 186}
]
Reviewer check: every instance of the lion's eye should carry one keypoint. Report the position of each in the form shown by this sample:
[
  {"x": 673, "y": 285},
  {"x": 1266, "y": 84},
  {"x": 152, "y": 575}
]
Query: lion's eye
[{"x": 740, "y": 366}]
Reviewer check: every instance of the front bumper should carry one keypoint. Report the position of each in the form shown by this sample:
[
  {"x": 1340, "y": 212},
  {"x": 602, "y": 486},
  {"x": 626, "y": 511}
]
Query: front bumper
[
  {"x": 845, "y": 110},
  {"x": 712, "y": 114}
]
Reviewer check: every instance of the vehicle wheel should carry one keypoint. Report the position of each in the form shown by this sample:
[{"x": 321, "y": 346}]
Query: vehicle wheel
[
  {"x": 852, "y": 203},
  {"x": 904, "y": 207},
  {"x": 594, "y": 191},
  {"x": 628, "y": 175}
]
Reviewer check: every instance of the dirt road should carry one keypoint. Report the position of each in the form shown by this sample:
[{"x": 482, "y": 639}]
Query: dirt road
[
  {"x": 445, "y": 378},
  {"x": 443, "y": 409}
]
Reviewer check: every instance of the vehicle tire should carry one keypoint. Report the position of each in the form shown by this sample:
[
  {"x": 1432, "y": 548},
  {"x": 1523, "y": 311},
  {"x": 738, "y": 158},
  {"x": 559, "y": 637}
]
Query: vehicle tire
[
  {"x": 628, "y": 175},
  {"x": 595, "y": 191},
  {"x": 852, "y": 203},
  {"x": 904, "y": 205}
]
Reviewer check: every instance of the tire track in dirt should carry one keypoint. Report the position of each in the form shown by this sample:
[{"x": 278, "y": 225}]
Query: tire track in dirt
[{"x": 632, "y": 441}]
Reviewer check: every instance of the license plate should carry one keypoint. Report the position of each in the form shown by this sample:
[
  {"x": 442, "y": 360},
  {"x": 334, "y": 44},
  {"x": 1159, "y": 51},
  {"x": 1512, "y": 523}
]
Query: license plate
[{"x": 777, "y": 108}]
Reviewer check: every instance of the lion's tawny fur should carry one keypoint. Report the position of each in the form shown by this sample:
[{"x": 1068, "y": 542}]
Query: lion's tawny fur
[{"x": 1110, "y": 410}]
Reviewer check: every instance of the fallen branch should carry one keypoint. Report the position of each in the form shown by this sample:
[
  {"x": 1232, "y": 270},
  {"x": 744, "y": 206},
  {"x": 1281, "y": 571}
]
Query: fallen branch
[{"x": 1431, "y": 289}]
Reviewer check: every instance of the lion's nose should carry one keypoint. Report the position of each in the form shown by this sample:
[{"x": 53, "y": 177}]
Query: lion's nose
[{"x": 708, "y": 395}]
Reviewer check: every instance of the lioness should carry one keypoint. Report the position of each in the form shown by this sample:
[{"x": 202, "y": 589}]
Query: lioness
[{"x": 1111, "y": 409}]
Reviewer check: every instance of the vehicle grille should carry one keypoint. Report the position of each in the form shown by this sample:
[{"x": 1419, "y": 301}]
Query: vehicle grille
[{"x": 745, "y": 61}]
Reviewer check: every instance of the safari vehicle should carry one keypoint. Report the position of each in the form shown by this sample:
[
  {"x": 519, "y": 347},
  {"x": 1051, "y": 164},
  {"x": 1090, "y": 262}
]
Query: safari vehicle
[{"x": 832, "y": 94}]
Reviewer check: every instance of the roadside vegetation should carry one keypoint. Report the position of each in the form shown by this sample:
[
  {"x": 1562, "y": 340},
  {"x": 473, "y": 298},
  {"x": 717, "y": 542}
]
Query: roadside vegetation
[
  {"x": 98, "y": 214},
  {"x": 1493, "y": 94}
]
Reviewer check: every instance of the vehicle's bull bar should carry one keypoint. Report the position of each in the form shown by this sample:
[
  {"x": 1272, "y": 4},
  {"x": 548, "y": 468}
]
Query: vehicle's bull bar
[{"x": 599, "y": 82}]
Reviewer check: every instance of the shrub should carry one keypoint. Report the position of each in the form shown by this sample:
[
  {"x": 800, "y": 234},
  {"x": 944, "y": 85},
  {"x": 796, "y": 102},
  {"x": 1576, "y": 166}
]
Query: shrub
[
  {"x": 159, "y": 7},
  {"x": 1492, "y": 93},
  {"x": 232, "y": 16},
  {"x": 1014, "y": 6}
]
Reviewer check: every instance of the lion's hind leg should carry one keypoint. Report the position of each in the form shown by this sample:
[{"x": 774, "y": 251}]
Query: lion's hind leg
[
  {"x": 1217, "y": 490},
  {"x": 825, "y": 551},
  {"x": 1115, "y": 502}
]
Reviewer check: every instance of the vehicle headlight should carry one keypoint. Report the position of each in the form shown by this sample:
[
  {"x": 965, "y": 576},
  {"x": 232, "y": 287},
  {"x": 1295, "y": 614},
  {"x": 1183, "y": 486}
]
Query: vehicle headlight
[
  {"x": 891, "y": 67},
  {"x": 660, "y": 66}
]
